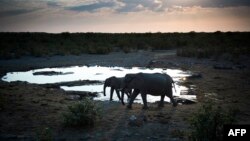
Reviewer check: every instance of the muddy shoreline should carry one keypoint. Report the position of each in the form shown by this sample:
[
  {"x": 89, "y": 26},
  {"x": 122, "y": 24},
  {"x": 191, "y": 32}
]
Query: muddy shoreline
[
  {"x": 29, "y": 108},
  {"x": 140, "y": 58}
]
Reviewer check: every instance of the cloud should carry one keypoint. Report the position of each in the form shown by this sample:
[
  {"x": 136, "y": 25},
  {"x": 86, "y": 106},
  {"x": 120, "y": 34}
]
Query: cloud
[
  {"x": 189, "y": 19},
  {"x": 224, "y": 3},
  {"x": 139, "y": 5},
  {"x": 124, "y": 15},
  {"x": 126, "y": 6},
  {"x": 14, "y": 12},
  {"x": 17, "y": 7},
  {"x": 91, "y": 7},
  {"x": 206, "y": 3},
  {"x": 53, "y": 4},
  {"x": 10, "y": 8}
]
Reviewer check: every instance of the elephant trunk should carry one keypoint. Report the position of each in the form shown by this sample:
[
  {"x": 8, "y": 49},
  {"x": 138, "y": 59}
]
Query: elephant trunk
[{"x": 104, "y": 89}]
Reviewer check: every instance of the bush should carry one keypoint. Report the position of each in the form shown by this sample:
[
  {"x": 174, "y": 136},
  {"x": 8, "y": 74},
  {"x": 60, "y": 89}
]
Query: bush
[
  {"x": 207, "y": 123},
  {"x": 126, "y": 50},
  {"x": 99, "y": 50},
  {"x": 201, "y": 45},
  {"x": 2, "y": 101},
  {"x": 82, "y": 113},
  {"x": 44, "y": 134}
]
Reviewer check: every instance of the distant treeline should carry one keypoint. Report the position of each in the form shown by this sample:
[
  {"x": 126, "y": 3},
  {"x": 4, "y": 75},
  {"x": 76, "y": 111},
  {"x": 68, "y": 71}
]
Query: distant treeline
[{"x": 192, "y": 44}]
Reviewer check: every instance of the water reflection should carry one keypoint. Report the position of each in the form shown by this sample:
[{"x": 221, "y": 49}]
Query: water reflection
[
  {"x": 85, "y": 73},
  {"x": 99, "y": 89},
  {"x": 97, "y": 73}
]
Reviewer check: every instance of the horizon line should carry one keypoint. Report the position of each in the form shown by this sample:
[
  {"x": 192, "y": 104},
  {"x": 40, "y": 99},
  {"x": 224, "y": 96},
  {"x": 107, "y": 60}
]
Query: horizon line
[{"x": 218, "y": 31}]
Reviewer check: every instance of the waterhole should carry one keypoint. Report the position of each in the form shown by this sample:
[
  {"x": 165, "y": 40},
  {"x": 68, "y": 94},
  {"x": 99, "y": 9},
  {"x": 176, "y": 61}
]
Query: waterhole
[{"x": 98, "y": 73}]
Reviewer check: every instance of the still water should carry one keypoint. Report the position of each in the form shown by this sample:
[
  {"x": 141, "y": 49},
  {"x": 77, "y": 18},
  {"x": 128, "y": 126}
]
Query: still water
[{"x": 97, "y": 73}]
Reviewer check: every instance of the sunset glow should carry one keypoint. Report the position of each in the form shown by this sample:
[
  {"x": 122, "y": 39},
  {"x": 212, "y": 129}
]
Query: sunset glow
[{"x": 124, "y": 15}]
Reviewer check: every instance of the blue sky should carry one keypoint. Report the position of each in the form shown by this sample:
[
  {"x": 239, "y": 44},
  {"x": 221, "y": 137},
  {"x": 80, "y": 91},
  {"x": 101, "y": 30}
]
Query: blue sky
[{"x": 124, "y": 15}]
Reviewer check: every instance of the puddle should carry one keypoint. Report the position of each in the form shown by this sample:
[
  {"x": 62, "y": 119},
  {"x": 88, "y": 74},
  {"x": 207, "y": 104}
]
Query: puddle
[{"x": 100, "y": 74}]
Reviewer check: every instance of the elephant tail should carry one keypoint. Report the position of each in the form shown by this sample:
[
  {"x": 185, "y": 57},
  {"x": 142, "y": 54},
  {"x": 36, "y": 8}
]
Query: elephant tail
[{"x": 174, "y": 85}]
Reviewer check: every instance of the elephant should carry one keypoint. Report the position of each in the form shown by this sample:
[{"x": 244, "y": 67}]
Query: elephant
[
  {"x": 157, "y": 84},
  {"x": 116, "y": 84}
]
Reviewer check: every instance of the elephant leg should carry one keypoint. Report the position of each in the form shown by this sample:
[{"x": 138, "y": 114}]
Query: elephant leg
[
  {"x": 144, "y": 99},
  {"x": 122, "y": 97},
  {"x": 170, "y": 95},
  {"x": 129, "y": 96},
  {"x": 129, "y": 93},
  {"x": 111, "y": 93},
  {"x": 118, "y": 94},
  {"x": 133, "y": 96},
  {"x": 173, "y": 101},
  {"x": 161, "y": 103}
]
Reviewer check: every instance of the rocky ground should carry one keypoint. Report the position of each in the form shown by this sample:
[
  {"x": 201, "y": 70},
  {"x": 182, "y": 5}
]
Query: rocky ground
[{"x": 28, "y": 110}]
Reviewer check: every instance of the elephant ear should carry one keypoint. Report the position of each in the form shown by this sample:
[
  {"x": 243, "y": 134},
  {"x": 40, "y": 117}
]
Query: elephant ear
[
  {"x": 136, "y": 79},
  {"x": 108, "y": 81},
  {"x": 129, "y": 78},
  {"x": 115, "y": 81}
]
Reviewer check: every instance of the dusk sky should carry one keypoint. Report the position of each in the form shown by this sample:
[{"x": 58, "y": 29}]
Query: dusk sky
[{"x": 124, "y": 15}]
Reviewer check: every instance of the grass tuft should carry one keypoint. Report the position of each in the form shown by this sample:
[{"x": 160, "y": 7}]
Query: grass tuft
[
  {"x": 207, "y": 123},
  {"x": 82, "y": 113}
]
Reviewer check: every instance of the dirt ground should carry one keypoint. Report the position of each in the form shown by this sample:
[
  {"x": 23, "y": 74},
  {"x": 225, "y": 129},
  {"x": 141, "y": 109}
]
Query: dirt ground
[{"x": 27, "y": 110}]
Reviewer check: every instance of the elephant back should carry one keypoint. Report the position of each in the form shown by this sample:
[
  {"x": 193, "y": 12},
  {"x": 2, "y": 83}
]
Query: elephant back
[{"x": 155, "y": 82}]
